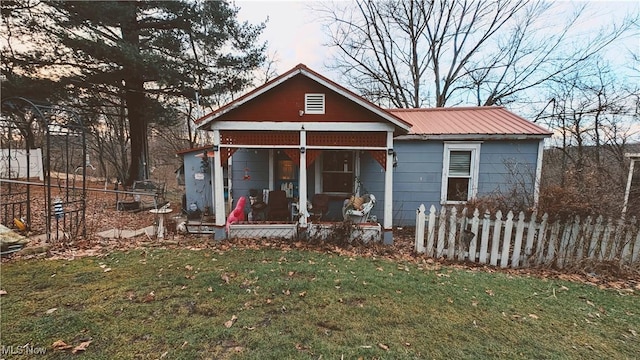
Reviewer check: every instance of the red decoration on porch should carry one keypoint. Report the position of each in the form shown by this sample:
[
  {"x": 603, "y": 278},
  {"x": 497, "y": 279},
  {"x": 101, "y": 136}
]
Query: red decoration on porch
[
  {"x": 312, "y": 154},
  {"x": 225, "y": 154},
  {"x": 337, "y": 138},
  {"x": 293, "y": 154},
  {"x": 275, "y": 138},
  {"x": 380, "y": 156}
]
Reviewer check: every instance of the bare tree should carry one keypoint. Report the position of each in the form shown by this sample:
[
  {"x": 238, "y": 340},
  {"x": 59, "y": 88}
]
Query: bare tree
[
  {"x": 594, "y": 114},
  {"x": 404, "y": 54}
]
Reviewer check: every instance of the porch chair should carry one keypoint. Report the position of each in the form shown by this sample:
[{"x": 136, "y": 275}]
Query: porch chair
[
  {"x": 278, "y": 205},
  {"x": 358, "y": 209},
  {"x": 319, "y": 206}
]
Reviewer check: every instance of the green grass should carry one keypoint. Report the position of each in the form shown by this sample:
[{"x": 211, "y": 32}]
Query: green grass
[{"x": 304, "y": 305}]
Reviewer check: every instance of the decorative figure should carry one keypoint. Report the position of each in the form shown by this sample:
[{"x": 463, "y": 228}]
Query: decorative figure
[{"x": 238, "y": 213}]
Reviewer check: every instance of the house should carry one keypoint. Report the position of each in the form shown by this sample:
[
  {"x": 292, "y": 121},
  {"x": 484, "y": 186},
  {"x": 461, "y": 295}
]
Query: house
[{"x": 306, "y": 135}]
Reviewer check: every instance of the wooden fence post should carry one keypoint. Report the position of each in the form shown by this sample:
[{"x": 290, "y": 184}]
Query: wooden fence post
[
  {"x": 451, "y": 243},
  {"x": 473, "y": 244},
  {"x": 604, "y": 243},
  {"x": 442, "y": 221},
  {"x": 553, "y": 237},
  {"x": 542, "y": 238},
  {"x": 495, "y": 241},
  {"x": 595, "y": 237},
  {"x": 515, "y": 259},
  {"x": 484, "y": 241},
  {"x": 531, "y": 233},
  {"x": 419, "y": 235},
  {"x": 432, "y": 230},
  {"x": 506, "y": 242},
  {"x": 627, "y": 242}
]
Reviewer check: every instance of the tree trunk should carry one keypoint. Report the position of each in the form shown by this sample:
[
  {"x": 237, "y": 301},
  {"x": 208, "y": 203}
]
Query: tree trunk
[{"x": 135, "y": 100}]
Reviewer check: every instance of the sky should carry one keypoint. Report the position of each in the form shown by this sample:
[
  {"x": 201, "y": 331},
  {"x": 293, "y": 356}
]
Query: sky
[{"x": 295, "y": 37}]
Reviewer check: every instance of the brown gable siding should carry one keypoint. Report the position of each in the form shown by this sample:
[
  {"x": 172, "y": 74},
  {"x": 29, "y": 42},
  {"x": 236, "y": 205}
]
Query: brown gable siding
[{"x": 284, "y": 102}]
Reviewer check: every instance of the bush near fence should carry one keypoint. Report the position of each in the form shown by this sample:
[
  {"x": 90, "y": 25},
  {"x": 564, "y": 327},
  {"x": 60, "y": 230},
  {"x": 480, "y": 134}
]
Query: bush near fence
[{"x": 513, "y": 241}]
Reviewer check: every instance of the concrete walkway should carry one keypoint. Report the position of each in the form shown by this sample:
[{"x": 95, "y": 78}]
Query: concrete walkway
[{"x": 126, "y": 234}]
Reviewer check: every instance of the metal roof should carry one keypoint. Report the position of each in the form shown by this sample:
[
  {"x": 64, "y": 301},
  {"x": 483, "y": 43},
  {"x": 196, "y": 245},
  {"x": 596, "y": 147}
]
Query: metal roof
[{"x": 468, "y": 122}]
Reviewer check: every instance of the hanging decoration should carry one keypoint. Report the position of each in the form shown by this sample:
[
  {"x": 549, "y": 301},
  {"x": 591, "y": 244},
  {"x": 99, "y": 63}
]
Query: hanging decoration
[{"x": 246, "y": 174}]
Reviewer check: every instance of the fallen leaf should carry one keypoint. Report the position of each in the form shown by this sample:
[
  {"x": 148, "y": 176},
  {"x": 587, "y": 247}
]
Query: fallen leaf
[
  {"x": 60, "y": 345},
  {"x": 107, "y": 270},
  {"x": 150, "y": 297},
  {"x": 383, "y": 346},
  {"x": 209, "y": 289},
  {"x": 533, "y": 316},
  {"x": 225, "y": 278},
  {"x": 286, "y": 292},
  {"x": 229, "y": 323},
  {"x": 489, "y": 292},
  {"x": 51, "y": 311},
  {"x": 188, "y": 267},
  {"x": 633, "y": 332},
  {"x": 82, "y": 347},
  {"x": 302, "y": 294},
  {"x": 2, "y": 292},
  {"x": 590, "y": 303}
]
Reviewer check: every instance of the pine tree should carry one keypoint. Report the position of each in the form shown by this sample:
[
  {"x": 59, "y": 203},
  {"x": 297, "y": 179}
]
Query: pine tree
[{"x": 145, "y": 53}]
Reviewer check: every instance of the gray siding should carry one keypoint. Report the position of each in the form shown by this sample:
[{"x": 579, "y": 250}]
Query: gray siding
[
  {"x": 504, "y": 165},
  {"x": 197, "y": 191},
  {"x": 256, "y": 163}
]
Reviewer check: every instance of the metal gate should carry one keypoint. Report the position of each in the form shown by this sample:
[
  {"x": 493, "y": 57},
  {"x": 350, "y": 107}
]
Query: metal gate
[{"x": 42, "y": 170}]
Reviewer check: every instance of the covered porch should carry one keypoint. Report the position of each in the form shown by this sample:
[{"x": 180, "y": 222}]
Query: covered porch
[
  {"x": 282, "y": 173},
  {"x": 304, "y": 136}
]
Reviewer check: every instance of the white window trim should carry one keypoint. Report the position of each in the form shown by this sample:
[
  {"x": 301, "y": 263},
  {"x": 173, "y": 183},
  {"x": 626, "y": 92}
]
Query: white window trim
[
  {"x": 475, "y": 170},
  {"x": 307, "y": 110},
  {"x": 319, "y": 186}
]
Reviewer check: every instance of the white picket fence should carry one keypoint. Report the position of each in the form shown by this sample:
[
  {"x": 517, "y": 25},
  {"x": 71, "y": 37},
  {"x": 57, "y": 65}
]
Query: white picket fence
[{"x": 516, "y": 242}]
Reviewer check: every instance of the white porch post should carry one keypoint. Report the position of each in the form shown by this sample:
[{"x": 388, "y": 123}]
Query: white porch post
[
  {"x": 218, "y": 183},
  {"x": 302, "y": 182},
  {"x": 388, "y": 193}
]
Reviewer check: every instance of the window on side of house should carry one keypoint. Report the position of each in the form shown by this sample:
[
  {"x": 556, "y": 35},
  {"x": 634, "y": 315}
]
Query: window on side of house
[
  {"x": 337, "y": 172},
  {"x": 460, "y": 172}
]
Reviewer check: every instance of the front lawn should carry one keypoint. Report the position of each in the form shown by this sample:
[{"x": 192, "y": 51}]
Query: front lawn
[{"x": 292, "y": 304}]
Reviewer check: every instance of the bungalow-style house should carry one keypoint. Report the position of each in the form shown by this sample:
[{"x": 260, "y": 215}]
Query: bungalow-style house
[{"x": 304, "y": 136}]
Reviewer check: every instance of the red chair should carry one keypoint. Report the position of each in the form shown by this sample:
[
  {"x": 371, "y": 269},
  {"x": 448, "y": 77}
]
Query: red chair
[{"x": 278, "y": 206}]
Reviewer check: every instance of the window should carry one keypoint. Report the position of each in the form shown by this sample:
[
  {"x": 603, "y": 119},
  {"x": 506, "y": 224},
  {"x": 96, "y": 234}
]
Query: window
[
  {"x": 460, "y": 172},
  {"x": 314, "y": 103},
  {"x": 337, "y": 172}
]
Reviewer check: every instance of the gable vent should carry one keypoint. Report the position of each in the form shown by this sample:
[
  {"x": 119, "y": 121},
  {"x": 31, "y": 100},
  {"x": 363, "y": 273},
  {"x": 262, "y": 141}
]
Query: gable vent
[{"x": 314, "y": 103}]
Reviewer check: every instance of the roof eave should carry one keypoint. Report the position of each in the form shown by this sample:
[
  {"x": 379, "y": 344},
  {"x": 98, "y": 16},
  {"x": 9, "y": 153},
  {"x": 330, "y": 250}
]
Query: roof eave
[{"x": 468, "y": 137}]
